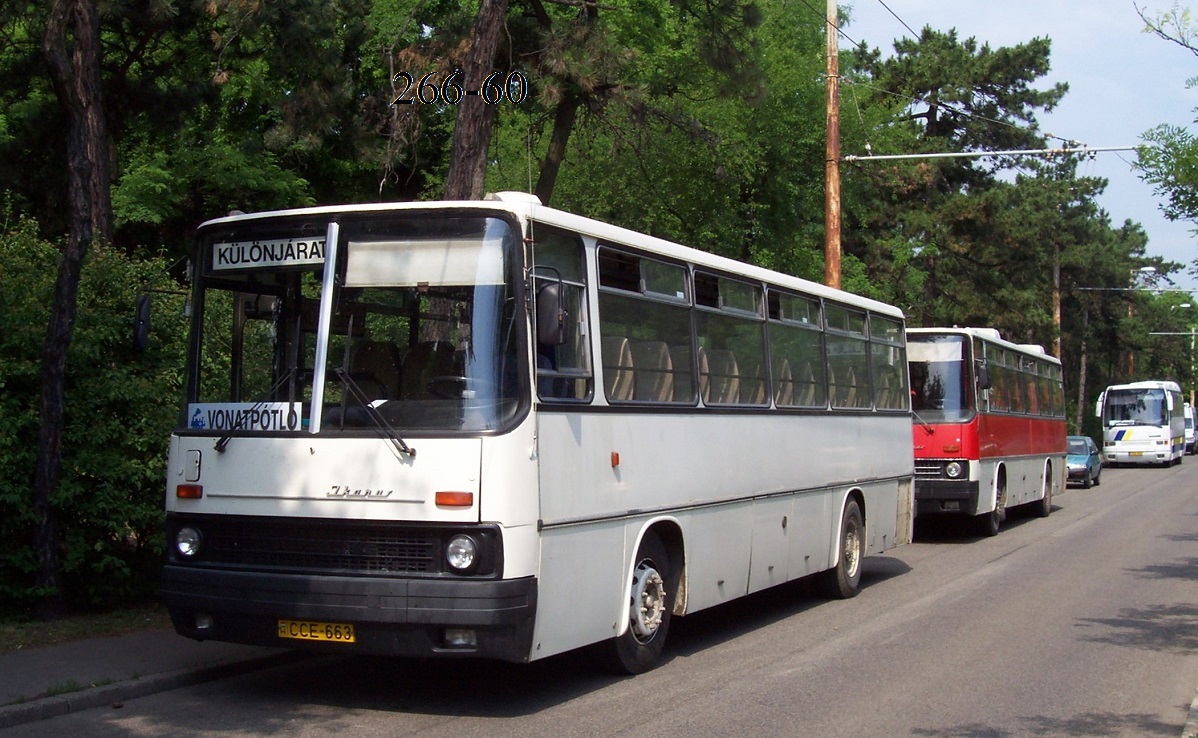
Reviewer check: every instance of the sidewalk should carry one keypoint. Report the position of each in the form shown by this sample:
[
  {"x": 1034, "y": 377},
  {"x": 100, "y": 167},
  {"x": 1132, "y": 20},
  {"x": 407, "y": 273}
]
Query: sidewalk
[{"x": 45, "y": 682}]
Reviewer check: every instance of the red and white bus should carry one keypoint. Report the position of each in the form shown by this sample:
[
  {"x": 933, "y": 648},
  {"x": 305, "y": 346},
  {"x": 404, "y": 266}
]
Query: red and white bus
[{"x": 989, "y": 425}]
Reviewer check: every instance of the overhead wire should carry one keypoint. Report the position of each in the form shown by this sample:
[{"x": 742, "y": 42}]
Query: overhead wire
[{"x": 909, "y": 98}]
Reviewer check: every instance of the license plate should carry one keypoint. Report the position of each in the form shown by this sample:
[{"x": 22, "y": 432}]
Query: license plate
[
  {"x": 1136, "y": 453},
  {"x": 307, "y": 630}
]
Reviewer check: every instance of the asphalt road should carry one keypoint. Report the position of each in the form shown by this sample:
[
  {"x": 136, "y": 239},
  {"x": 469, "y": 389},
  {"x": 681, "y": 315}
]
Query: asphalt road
[{"x": 1081, "y": 624}]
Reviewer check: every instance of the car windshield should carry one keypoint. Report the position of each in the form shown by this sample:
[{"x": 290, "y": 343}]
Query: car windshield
[{"x": 1078, "y": 447}]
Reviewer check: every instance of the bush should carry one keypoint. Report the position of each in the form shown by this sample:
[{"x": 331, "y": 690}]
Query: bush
[{"x": 120, "y": 406}]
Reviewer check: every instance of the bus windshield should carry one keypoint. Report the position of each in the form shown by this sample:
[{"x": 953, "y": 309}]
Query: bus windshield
[
  {"x": 939, "y": 377},
  {"x": 1135, "y": 407},
  {"x": 421, "y": 323}
]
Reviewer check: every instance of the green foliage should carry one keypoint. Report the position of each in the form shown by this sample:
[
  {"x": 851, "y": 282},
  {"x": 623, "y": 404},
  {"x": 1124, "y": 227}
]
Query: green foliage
[
  {"x": 1170, "y": 164},
  {"x": 702, "y": 122},
  {"x": 120, "y": 408}
]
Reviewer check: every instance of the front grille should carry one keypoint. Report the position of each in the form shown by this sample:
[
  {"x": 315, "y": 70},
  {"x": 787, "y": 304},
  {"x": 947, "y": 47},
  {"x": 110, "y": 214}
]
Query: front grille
[
  {"x": 324, "y": 546},
  {"x": 929, "y": 468}
]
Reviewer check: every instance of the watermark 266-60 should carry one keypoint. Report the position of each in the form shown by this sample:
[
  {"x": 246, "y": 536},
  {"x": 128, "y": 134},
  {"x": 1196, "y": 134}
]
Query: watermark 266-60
[{"x": 494, "y": 89}]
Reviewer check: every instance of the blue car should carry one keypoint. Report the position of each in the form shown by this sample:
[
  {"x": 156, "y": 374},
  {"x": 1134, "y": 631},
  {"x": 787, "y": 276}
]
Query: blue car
[{"x": 1084, "y": 461}]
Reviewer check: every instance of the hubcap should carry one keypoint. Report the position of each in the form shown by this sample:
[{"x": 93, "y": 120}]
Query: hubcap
[
  {"x": 852, "y": 549},
  {"x": 648, "y": 604}
]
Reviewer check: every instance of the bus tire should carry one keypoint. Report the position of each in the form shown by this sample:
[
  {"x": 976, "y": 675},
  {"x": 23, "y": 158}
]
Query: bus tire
[
  {"x": 1043, "y": 506},
  {"x": 650, "y": 605},
  {"x": 844, "y": 580},
  {"x": 989, "y": 523}
]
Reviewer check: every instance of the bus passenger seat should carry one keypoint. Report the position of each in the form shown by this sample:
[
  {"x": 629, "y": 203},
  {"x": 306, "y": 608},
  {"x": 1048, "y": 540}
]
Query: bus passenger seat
[
  {"x": 752, "y": 386},
  {"x": 684, "y": 376},
  {"x": 849, "y": 389},
  {"x": 653, "y": 370},
  {"x": 784, "y": 387},
  {"x": 807, "y": 379},
  {"x": 723, "y": 377},
  {"x": 618, "y": 378}
]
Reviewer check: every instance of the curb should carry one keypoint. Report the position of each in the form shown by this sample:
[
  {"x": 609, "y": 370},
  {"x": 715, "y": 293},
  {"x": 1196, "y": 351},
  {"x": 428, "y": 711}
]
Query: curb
[
  {"x": 114, "y": 694},
  {"x": 1191, "y": 728}
]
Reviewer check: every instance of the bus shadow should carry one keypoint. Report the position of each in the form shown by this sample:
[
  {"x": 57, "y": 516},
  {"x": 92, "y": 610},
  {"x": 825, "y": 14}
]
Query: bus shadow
[
  {"x": 481, "y": 688},
  {"x": 718, "y": 625},
  {"x": 951, "y": 529}
]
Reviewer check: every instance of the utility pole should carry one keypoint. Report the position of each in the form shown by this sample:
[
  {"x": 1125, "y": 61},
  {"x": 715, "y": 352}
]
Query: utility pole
[{"x": 832, "y": 162}]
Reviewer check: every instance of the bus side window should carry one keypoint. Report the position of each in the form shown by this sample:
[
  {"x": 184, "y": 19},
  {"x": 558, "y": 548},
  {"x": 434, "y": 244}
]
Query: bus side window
[{"x": 563, "y": 363}]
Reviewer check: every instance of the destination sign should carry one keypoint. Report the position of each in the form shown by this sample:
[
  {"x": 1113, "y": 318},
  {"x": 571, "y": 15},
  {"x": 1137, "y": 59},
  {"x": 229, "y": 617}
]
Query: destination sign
[
  {"x": 227, "y": 416},
  {"x": 267, "y": 253}
]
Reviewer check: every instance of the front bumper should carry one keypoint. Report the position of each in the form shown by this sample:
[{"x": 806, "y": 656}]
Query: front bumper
[
  {"x": 946, "y": 497},
  {"x": 1077, "y": 473},
  {"x": 391, "y": 616},
  {"x": 1137, "y": 457}
]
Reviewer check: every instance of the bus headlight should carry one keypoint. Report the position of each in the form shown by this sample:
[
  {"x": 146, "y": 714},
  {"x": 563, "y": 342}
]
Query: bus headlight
[
  {"x": 954, "y": 469},
  {"x": 188, "y": 542},
  {"x": 461, "y": 553}
]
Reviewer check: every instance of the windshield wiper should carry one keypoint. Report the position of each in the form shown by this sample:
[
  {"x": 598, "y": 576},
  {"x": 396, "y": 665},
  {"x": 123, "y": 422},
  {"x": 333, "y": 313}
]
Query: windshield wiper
[
  {"x": 223, "y": 441},
  {"x": 926, "y": 425},
  {"x": 372, "y": 412}
]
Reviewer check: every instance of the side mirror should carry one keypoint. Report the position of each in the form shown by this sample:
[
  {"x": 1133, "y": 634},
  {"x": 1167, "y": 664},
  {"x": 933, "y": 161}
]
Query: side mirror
[
  {"x": 1098, "y": 405},
  {"x": 551, "y": 315},
  {"x": 983, "y": 372},
  {"x": 141, "y": 323}
]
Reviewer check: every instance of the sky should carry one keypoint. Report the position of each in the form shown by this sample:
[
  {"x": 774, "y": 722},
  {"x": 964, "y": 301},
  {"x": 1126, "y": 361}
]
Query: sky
[{"x": 1122, "y": 83}]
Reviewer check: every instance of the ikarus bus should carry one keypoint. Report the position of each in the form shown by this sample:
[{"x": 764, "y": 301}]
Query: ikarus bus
[
  {"x": 1142, "y": 423},
  {"x": 495, "y": 429}
]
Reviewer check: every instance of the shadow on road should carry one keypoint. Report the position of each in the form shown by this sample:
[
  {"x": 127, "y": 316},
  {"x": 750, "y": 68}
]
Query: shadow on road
[
  {"x": 1094, "y": 724},
  {"x": 1171, "y": 628}
]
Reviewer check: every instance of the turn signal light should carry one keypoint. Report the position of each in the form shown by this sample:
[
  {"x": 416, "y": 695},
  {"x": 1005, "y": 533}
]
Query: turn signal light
[
  {"x": 952, "y": 448},
  {"x": 454, "y": 499},
  {"x": 189, "y": 491}
]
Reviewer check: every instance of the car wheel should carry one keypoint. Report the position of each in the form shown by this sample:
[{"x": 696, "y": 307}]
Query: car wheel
[{"x": 1087, "y": 482}]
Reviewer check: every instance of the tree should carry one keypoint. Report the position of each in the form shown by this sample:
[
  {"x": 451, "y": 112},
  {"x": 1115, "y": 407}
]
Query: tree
[
  {"x": 73, "y": 52},
  {"x": 472, "y": 132},
  {"x": 1175, "y": 25},
  {"x": 943, "y": 236}
]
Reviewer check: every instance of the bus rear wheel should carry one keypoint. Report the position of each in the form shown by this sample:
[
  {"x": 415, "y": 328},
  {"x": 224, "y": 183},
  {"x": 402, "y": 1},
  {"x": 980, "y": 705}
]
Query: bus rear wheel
[
  {"x": 650, "y": 605},
  {"x": 844, "y": 580},
  {"x": 1043, "y": 506}
]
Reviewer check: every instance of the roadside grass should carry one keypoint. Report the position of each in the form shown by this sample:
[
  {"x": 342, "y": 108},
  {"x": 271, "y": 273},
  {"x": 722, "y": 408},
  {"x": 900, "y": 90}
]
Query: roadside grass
[{"x": 16, "y": 634}]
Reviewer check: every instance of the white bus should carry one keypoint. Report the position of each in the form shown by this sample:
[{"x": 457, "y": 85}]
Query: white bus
[
  {"x": 495, "y": 429},
  {"x": 1142, "y": 423}
]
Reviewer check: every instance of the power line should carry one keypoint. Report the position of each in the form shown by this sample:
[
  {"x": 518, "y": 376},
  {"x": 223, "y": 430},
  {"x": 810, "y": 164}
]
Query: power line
[
  {"x": 980, "y": 154},
  {"x": 896, "y": 17}
]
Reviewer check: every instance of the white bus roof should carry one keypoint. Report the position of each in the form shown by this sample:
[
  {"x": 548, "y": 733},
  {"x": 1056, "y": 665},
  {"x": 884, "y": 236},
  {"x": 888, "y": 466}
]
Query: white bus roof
[
  {"x": 529, "y": 207},
  {"x": 993, "y": 336},
  {"x": 1165, "y": 384}
]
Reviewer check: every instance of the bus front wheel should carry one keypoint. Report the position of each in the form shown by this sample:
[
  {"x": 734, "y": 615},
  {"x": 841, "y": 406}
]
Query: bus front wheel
[
  {"x": 989, "y": 523},
  {"x": 650, "y": 603},
  {"x": 844, "y": 580}
]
